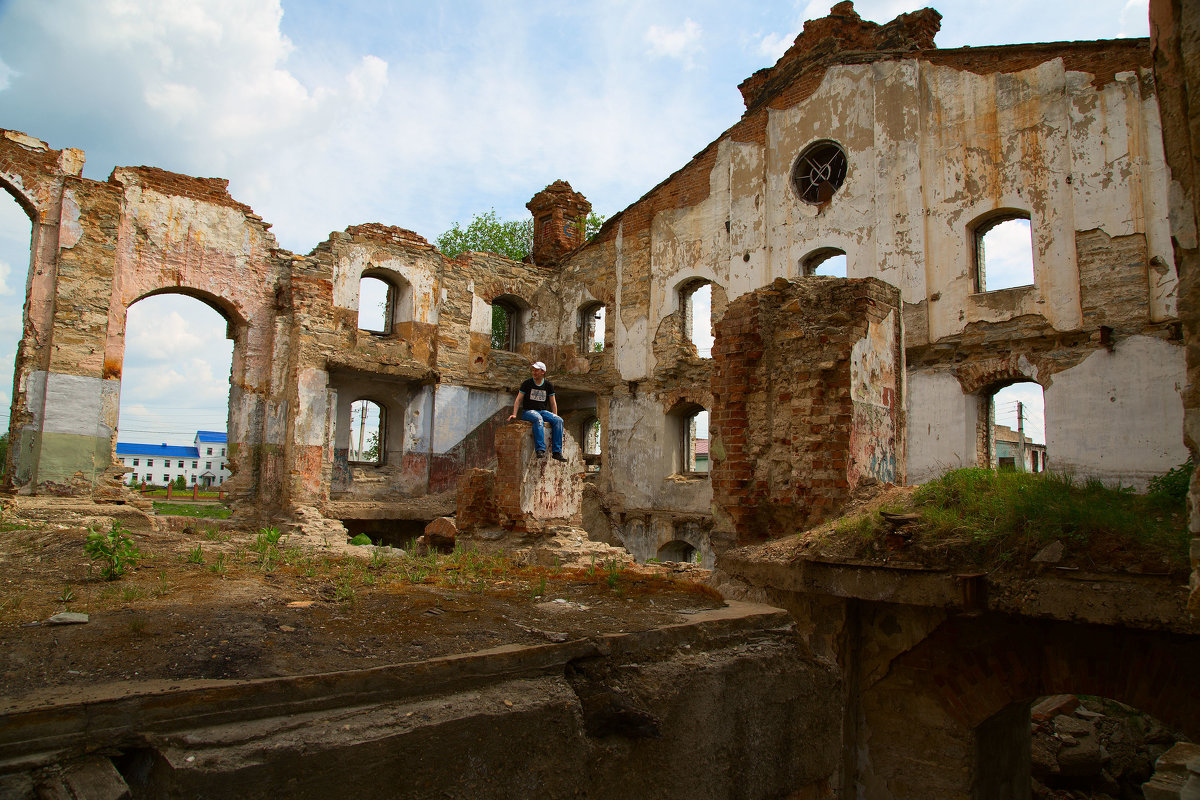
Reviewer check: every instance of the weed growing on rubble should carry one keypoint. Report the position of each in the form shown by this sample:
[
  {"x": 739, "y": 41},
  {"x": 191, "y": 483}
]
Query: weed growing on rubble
[
  {"x": 196, "y": 555},
  {"x": 344, "y": 591},
  {"x": 67, "y": 595},
  {"x": 994, "y": 512},
  {"x": 614, "y": 574},
  {"x": 214, "y": 534},
  {"x": 115, "y": 550},
  {"x": 266, "y": 545},
  {"x": 218, "y": 564}
]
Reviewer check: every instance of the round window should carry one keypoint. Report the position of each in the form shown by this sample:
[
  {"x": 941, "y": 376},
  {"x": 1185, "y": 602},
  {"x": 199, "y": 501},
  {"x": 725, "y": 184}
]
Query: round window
[{"x": 819, "y": 171}]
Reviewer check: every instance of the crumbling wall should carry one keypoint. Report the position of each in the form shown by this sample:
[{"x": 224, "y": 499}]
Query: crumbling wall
[
  {"x": 1175, "y": 34},
  {"x": 937, "y": 141},
  {"x": 808, "y": 403}
]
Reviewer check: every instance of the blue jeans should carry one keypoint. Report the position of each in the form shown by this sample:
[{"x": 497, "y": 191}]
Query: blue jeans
[{"x": 539, "y": 435}]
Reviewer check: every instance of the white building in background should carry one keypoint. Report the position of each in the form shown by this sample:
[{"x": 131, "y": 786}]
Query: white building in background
[{"x": 201, "y": 464}]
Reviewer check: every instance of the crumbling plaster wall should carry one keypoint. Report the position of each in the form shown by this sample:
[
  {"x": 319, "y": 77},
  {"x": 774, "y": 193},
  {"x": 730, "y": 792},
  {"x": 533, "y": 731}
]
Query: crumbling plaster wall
[
  {"x": 143, "y": 232},
  {"x": 936, "y": 140}
]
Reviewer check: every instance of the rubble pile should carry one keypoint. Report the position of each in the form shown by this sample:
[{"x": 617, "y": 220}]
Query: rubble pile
[{"x": 1089, "y": 748}]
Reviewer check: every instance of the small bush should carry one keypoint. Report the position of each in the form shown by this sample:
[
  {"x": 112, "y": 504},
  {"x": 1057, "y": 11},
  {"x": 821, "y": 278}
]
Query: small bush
[
  {"x": 1172, "y": 486},
  {"x": 115, "y": 551},
  {"x": 360, "y": 540}
]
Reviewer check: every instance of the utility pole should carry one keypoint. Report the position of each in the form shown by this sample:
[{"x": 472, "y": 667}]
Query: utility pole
[
  {"x": 362, "y": 430},
  {"x": 1020, "y": 436}
]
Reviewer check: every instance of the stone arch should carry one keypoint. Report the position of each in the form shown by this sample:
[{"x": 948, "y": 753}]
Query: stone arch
[
  {"x": 962, "y": 684},
  {"x": 981, "y": 380},
  {"x": 978, "y": 376},
  {"x": 976, "y": 667},
  {"x": 237, "y": 329},
  {"x": 812, "y": 261}
]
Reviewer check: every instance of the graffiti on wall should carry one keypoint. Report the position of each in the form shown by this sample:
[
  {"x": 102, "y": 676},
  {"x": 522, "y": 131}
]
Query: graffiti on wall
[{"x": 873, "y": 371}]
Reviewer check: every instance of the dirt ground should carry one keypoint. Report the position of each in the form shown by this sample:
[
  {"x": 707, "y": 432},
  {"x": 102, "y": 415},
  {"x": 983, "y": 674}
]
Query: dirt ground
[{"x": 213, "y": 603}]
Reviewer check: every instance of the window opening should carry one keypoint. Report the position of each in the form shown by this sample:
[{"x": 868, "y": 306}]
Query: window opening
[
  {"x": 828, "y": 261},
  {"x": 695, "y": 444},
  {"x": 819, "y": 171},
  {"x": 695, "y": 300},
  {"x": 1017, "y": 421},
  {"x": 591, "y": 444},
  {"x": 1004, "y": 253},
  {"x": 366, "y": 432},
  {"x": 376, "y": 298},
  {"x": 506, "y": 324},
  {"x": 677, "y": 550},
  {"x": 591, "y": 327}
]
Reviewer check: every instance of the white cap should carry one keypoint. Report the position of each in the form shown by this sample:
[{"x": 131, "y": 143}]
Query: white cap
[{"x": 539, "y": 365}]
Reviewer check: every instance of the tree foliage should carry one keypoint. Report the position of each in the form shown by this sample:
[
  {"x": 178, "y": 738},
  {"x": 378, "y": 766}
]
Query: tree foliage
[
  {"x": 512, "y": 238},
  {"x": 487, "y": 233}
]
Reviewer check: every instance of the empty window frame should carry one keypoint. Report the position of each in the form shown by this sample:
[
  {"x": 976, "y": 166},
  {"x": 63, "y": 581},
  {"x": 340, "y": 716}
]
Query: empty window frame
[
  {"x": 376, "y": 303},
  {"x": 828, "y": 261},
  {"x": 589, "y": 441},
  {"x": 506, "y": 324},
  {"x": 366, "y": 432},
  {"x": 1003, "y": 251},
  {"x": 819, "y": 171},
  {"x": 695, "y": 305},
  {"x": 693, "y": 444},
  {"x": 591, "y": 328}
]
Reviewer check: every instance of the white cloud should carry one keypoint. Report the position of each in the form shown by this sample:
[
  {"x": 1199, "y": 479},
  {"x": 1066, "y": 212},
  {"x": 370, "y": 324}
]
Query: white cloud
[
  {"x": 6, "y": 75},
  {"x": 681, "y": 43},
  {"x": 1134, "y": 18},
  {"x": 774, "y": 45}
]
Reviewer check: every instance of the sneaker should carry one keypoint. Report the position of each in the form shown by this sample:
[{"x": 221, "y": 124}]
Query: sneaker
[
  {"x": 559, "y": 457},
  {"x": 541, "y": 453}
]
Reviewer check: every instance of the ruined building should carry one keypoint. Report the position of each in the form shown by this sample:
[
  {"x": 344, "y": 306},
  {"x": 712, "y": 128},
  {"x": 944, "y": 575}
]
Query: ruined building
[{"x": 864, "y": 140}]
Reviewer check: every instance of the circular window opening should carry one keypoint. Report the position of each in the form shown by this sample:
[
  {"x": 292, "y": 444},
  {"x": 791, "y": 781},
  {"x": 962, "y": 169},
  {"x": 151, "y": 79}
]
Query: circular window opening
[{"x": 819, "y": 172}]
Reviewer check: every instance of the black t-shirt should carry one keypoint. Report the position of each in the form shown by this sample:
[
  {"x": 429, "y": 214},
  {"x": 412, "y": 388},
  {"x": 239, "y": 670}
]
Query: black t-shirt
[{"x": 537, "y": 398}]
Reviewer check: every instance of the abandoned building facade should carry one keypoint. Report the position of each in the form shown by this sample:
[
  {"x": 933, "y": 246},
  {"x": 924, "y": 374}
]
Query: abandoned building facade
[{"x": 863, "y": 139}]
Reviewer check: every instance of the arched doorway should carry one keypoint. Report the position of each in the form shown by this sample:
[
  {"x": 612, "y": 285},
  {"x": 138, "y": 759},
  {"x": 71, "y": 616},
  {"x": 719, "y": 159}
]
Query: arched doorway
[
  {"x": 15, "y": 242},
  {"x": 174, "y": 403}
]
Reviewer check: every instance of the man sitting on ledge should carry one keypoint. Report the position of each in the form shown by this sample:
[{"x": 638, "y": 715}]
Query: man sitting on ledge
[{"x": 540, "y": 405}]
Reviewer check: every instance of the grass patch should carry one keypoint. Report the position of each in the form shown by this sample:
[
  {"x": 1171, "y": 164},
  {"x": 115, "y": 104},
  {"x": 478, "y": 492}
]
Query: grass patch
[
  {"x": 202, "y": 510},
  {"x": 989, "y": 518}
]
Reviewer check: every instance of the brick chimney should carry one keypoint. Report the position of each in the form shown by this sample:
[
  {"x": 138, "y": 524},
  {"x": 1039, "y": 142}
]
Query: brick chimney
[{"x": 559, "y": 213}]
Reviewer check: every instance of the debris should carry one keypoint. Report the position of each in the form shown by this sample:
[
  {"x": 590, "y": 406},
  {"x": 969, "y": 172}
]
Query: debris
[
  {"x": 1050, "y": 554},
  {"x": 68, "y": 618}
]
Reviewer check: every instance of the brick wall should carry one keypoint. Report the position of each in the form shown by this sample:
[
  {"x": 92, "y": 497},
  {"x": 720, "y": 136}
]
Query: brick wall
[{"x": 784, "y": 415}]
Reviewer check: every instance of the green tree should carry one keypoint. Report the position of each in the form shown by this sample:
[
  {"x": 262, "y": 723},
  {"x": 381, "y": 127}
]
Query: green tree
[
  {"x": 372, "y": 451},
  {"x": 487, "y": 233},
  {"x": 179, "y": 483}
]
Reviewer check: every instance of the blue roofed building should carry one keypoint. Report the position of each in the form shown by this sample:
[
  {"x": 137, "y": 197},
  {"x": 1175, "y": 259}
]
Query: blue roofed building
[{"x": 201, "y": 464}]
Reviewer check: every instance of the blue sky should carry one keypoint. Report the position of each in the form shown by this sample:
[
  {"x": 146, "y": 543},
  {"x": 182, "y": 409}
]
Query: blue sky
[{"x": 323, "y": 115}]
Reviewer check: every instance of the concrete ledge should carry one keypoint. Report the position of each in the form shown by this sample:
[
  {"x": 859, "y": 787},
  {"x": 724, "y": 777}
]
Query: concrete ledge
[{"x": 1155, "y": 602}]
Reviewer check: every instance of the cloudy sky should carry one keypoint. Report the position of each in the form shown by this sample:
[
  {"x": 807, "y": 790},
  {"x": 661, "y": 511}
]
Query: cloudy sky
[{"x": 416, "y": 114}]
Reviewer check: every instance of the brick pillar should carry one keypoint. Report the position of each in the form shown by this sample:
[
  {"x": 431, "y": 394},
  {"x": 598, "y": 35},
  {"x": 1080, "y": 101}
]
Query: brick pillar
[
  {"x": 532, "y": 494},
  {"x": 559, "y": 216},
  {"x": 808, "y": 404}
]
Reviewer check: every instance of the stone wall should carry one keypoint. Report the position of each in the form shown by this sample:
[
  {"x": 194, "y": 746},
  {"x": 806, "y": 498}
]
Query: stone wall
[{"x": 1175, "y": 33}]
